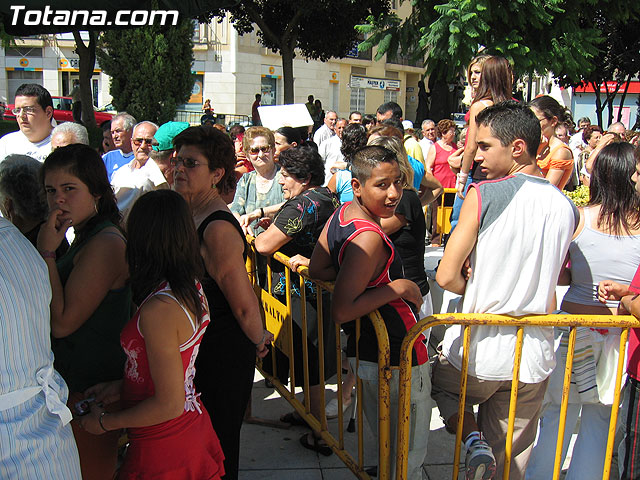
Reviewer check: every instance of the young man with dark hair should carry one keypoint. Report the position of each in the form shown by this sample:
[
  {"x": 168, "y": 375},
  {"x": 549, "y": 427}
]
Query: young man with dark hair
[
  {"x": 504, "y": 257},
  {"x": 33, "y": 110},
  {"x": 368, "y": 271},
  {"x": 389, "y": 110}
]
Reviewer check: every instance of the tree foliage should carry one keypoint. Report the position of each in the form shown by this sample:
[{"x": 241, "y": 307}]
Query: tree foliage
[
  {"x": 150, "y": 69},
  {"x": 318, "y": 29}
]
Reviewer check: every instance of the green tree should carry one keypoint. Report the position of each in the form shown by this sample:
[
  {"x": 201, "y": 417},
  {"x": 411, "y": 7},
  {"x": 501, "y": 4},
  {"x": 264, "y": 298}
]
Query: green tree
[
  {"x": 150, "y": 69},
  {"x": 318, "y": 29},
  {"x": 559, "y": 36}
]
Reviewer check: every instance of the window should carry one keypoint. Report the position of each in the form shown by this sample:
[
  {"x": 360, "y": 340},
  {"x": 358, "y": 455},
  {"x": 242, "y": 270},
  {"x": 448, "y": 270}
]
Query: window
[
  {"x": 390, "y": 96},
  {"x": 269, "y": 90},
  {"x": 17, "y": 78},
  {"x": 356, "y": 101}
]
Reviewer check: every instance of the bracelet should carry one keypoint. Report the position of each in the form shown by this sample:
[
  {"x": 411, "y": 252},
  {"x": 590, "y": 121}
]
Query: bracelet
[
  {"x": 261, "y": 212},
  {"x": 48, "y": 254},
  {"x": 264, "y": 335},
  {"x": 100, "y": 421}
]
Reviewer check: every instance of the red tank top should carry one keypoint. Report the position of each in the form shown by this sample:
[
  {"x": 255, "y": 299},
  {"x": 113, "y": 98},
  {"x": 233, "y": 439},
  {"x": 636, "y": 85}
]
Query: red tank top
[
  {"x": 160, "y": 449},
  {"x": 441, "y": 169}
]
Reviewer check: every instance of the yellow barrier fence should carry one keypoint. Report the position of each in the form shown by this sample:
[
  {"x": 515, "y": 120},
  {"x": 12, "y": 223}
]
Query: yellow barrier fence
[
  {"x": 471, "y": 320},
  {"x": 443, "y": 223},
  {"x": 278, "y": 320}
]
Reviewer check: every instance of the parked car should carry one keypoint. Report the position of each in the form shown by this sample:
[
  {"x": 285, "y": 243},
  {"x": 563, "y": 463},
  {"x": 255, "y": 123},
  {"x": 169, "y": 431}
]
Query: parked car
[{"x": 62, "y": 111}]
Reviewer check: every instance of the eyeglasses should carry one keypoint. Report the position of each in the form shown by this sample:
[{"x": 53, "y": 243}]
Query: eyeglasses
[
  {"x": 263, "y": 149},
  {"x": 139, "y": 141},
  {"x": 187, "y": 162},
  {"x": 26, "y": 110}
]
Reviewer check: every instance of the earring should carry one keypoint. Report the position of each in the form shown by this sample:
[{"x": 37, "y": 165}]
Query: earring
[{"x": 95, "y": 206}]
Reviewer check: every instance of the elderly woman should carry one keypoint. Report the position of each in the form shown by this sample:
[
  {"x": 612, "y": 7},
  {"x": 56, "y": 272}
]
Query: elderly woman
[
  {"x": 203, "y": 171},
  {"x": 294, "y": 232},
  {"x": 259, "y": 188},
  {"x": 438, "y": 156},
  {"x": 22, "y": 199}
]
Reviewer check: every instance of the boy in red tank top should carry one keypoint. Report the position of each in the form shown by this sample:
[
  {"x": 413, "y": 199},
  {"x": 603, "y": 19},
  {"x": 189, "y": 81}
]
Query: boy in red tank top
[{"x": 354, "y": 251}]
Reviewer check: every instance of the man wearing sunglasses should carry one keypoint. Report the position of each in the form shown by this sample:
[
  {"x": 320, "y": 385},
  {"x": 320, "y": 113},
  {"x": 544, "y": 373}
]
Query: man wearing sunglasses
[
  {"x": 33, "y": 110},
  {"x": 141, "y": 174}
]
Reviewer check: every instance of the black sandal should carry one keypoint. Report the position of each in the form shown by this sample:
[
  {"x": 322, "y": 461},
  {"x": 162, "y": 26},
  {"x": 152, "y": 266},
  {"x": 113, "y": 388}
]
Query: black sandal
[
  {"x": 292, "y": 418},
  {"x": 316, "y": 446}
]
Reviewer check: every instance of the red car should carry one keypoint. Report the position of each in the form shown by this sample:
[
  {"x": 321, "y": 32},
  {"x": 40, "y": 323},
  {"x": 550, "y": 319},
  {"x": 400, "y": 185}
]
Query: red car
[{"x": 62, "y": 111}]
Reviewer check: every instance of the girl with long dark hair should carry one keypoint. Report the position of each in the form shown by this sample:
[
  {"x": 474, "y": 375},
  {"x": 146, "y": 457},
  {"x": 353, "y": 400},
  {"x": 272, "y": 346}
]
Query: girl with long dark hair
[
  {"x": 91, "y": 298},
  {"x": 606, "y": 246},
  {"x": 170, "y": 433}
]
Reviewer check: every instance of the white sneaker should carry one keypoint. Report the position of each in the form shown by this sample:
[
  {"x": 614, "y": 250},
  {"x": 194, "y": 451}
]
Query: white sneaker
[
  {"x": 331, "y": 410},
  {"x": 480, "y": 464}
]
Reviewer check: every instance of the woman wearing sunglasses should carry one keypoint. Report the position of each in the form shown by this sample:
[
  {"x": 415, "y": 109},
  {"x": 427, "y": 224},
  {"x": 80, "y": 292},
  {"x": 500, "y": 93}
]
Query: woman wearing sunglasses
[
  {"x": 260, "y": 188},
  {"x": 203, "y": 173}
]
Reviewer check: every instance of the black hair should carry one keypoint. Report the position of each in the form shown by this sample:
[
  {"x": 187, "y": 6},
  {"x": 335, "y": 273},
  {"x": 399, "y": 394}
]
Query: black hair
[
  {"x": 235, "y": 130},
  {"x": 34, "y": 90},
  {"x": 393, "y": 106},
  {"x": 368, "y": 158},
  {"x": 611, "y": 187},
  {"x": 291, "y": 134},
  {"x": 84, "y": 162},
  {"x": 367, "y": 119},
  {"x": 303, "y": 162},
  {"x": 258, "y": 95},
  {"x": 218, "y": 149},
  {"x": 549, "y": 107},
  {"x": 354, "y": 137},
  {"x": 163, "y": 245},
  {"x": 394, "y": 122},
  {"x": 106, "y": 126},
  {"x": 511, "y": 120}
]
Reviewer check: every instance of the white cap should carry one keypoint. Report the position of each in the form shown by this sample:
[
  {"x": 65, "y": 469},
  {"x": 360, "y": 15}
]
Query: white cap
[{"x": 407, "y": 124}]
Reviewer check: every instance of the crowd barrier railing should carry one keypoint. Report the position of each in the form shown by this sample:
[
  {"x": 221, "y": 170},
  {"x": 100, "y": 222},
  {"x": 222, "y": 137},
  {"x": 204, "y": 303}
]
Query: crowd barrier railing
[
  {"x": 469, "y": 321},
  {"x": 278, "y": 320}
]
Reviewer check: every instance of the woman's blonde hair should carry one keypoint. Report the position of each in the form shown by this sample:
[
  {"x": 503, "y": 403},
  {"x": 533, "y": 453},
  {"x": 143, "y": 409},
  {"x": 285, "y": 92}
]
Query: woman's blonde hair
[{"x": 396, "y": 146}]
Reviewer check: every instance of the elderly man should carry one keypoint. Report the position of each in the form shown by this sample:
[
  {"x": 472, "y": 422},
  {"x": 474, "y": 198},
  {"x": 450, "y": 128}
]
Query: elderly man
[
  {"x": 121, "y": 129},
  {"x": 326, "y": 131},
  {"x": 163, "y": 151},
  {"x": 330, "y": 150},
  {"x": 140, "y": 175},
  {"x": 389, "y": 110},
  {"x": 68, "y": 133},
  {"x": 34, "y": 111},
  {"x": 428, "y": 136}
]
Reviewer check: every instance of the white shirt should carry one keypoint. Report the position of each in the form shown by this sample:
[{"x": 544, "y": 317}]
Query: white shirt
[
  {"x": 330, "y": 153},
  {"x": 18, "y": 143},
  {"x": 130, "y": 183},
  {"x": 322, "y": 134},
  {"x": 426, "y": 145},
  {"x": 526, "y": 225}
]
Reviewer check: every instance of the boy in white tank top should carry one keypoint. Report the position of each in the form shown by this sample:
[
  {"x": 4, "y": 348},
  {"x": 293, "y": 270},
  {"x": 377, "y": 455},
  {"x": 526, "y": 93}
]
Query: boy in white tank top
[{"x": 514, "y": 230}]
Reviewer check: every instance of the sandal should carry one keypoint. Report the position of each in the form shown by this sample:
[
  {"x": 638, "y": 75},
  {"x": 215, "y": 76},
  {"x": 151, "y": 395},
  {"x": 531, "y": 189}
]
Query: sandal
[
  {"x": 292, "y": 418},
  {"x": 318, "y": 444}
]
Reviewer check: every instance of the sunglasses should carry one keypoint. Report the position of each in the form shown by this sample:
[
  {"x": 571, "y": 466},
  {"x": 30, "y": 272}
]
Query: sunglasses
[
  {"x": 139, "y": 141},
  {"x": 263, "y": 149},
  {"x": 187, "y": 162}
]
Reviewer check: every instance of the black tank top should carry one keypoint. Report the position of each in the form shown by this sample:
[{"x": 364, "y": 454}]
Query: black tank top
[{"x": 222, "y": 318}]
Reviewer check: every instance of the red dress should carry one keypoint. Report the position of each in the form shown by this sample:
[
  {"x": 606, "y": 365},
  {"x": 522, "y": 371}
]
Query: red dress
[{"x": 185, "y": 447}]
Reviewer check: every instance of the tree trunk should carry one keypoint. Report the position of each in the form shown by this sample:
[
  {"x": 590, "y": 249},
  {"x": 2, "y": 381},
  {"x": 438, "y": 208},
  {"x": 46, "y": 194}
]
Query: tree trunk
[
  {"x": 624, "y": 96},
  {"x": 287, "y": 73},
  {"x": 87, "y": 55},
  {"x": 596, "y": 89}
]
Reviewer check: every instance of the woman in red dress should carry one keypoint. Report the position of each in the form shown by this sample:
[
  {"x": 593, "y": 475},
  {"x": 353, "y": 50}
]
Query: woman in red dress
[{"x": 170, "y": 432}]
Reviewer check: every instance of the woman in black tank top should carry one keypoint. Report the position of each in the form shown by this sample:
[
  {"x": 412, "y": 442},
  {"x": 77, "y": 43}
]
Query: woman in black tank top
[{"x": 204, "y": 164}]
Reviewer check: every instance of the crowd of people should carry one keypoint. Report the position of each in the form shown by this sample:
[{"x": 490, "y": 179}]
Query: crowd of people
[{"x": 126, "y": 302}]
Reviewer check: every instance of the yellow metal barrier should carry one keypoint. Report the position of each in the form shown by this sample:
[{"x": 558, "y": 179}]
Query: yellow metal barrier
[
  {"x": 470, "y": 320},
  {"x": 278, "y": 320},
  {"x": 443, "y": 224}
]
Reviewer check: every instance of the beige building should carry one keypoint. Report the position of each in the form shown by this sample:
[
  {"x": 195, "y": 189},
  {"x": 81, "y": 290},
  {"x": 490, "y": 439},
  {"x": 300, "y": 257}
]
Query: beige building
[{"x": 230, "y": 69}]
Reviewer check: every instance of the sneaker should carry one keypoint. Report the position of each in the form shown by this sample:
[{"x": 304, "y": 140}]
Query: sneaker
[
  {"x": 331, "y": 410},
  {"x": 480, "y": 464}
]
